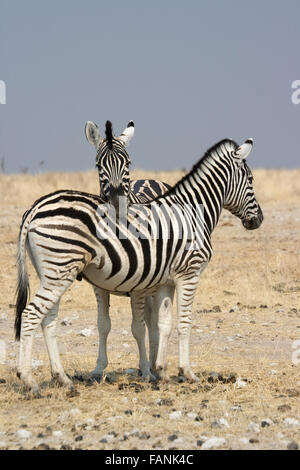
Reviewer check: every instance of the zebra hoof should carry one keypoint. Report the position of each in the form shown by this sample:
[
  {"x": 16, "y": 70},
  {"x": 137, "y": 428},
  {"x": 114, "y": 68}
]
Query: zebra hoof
[
  {"x": 189, "y": 375},
  {"x": 97, "y": 378},
  {"x": 30, "y": 384},
  {"x": 163, "y": 375},
  {"x": 62, "y": 380},
  {"x": 148, "y": 377}
]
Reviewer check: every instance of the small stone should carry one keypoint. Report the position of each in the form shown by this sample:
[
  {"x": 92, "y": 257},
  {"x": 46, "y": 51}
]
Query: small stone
[
  {"x": 273, "y": 372},
  {"x": 175, "y": 415},
  {"x": 192, "y": 415},
  {"x": 86, "y": 332},
  {"x": 23, "y": 434},
  {"x": 178, "y": 442},
  {"x": 213, "y": 377},
  {"x": 253, "y": 440},
  {"x": 220, "y": 423},
  {"x": 235, "y": 308},
  {"x": 213, "y": 442},
  {"x": 253, "y": 427},
  {"x": 236, "y": 408},
  {"x": 200, "y": 442},
  {"x": 128, "y": 412},
  {"x": 65, "y": 447},
  {"x": 291, "y": 422},
  {"x": 216, "y": 309},
  {"x": 57, "y": 433},
  {"x": 266, "y": 422},
  {"x": 240, "y": 383},
  {"x": 66, "y": 321},
  {"x": 164, "y": 402},
  {"x": 78, "y": 438},
  {"x": 144, "y": 436},
  {"x": 172, "y": 437},
  {"x": 292, "y": 445},
  {"x": 107, "y": 438},
  {"x": 42, "y": 446}
]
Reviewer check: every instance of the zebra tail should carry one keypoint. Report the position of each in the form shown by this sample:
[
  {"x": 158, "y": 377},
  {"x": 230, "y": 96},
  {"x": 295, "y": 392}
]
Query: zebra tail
[{"x": 22, "y": 291}]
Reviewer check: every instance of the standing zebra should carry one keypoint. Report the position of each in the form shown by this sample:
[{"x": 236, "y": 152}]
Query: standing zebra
[
  {"x": 159, "y": 245},
  {"x": 112, "y": 162}
]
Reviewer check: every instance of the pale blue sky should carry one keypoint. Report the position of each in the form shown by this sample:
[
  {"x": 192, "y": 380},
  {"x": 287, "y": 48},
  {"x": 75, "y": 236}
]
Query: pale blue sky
[{"x": 188, "y": 73}]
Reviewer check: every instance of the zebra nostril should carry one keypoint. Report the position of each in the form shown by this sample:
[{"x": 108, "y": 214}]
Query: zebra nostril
[{"x": 251, "y": 223}]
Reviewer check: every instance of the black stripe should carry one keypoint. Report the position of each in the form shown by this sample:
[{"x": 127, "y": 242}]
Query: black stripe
[
  {"x": 113, "y": 256},
  {"x": 69, "y": 241},
  {"x": 132, "y": 258},
  {"x": 71, "y": 213}
]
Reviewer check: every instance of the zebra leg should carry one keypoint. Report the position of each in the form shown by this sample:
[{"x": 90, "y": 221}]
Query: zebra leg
[
  {"x": 138, "y": 331},
  {"x": 186, "y": 289},
  {"x": 163, "y": 306},
  {"x": 32, "y": 316},
  {"x": 49, "y": 331},
  {"x": 151, "y": 318},
  {"x": 104, "y": 325}
]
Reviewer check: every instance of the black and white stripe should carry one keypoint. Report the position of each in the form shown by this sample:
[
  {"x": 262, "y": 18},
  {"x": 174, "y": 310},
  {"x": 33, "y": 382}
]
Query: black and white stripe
[{"x": 67, "y": 233}]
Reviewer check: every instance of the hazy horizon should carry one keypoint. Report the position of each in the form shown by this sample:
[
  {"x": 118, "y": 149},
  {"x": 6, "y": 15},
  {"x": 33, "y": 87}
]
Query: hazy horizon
[{"x": 188, "y": 75}]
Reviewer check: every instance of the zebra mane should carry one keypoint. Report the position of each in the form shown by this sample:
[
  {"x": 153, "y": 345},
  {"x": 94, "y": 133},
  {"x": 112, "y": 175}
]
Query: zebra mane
[
  {"x": 108, "y": 133},
  {"x": 203, "y": 159}
]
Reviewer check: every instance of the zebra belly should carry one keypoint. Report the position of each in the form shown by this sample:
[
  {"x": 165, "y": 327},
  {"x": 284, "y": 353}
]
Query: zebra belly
[{"x": 98, "y": 277}]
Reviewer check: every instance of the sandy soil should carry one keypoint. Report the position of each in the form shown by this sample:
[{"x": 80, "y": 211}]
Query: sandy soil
[{"x": 245, "y": 322}]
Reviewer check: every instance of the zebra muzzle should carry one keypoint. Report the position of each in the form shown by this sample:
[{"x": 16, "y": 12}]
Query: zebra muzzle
[{"x": 252, "y": 223}]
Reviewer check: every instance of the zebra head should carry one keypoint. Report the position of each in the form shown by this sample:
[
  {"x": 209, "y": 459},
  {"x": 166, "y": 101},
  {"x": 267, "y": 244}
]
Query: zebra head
[
  {"x": 240, "y": 199},
  {"x": 112, "y": 160}
]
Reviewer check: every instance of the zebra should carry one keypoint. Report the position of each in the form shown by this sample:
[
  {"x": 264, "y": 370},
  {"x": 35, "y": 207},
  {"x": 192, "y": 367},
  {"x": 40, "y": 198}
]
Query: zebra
[
  {"x": 155, "y": 248},
  {"x": 112, "y": 162}
]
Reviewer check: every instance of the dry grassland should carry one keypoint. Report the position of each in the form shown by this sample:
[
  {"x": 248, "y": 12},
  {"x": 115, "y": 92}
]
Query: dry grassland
[{"x": 246, "y": 318}]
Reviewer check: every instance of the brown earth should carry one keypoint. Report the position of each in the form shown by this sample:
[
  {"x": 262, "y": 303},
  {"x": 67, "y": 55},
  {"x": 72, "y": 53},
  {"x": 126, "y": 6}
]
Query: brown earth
[{"x": 246, "y": 318}]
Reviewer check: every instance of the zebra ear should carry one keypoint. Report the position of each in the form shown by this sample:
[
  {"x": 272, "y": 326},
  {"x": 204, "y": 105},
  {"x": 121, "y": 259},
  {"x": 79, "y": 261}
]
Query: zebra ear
[
  {"x": 92, "y": 134},
  {"x": 243, "y": 150},
  {"x": 127, "y": 134}
]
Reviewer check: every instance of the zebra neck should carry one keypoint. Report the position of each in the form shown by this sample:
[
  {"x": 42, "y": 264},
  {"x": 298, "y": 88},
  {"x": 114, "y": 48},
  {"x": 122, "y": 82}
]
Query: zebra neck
[{"x": 205, "y": 187}]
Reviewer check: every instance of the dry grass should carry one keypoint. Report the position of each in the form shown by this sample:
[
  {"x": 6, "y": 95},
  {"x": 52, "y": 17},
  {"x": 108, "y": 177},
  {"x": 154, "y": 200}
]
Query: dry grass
[{"x": 259, "y": 271}]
